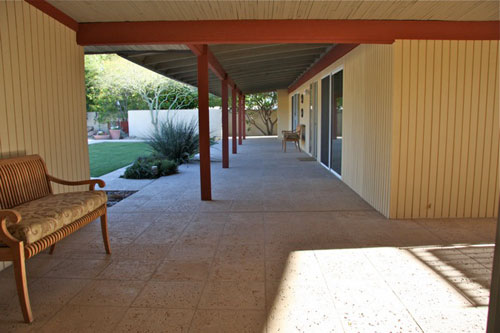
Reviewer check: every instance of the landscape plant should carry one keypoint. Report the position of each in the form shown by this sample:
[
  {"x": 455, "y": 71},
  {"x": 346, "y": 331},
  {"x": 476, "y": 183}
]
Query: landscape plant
[
  {"x": 150, "y": 167},
  {"x": 115, "y": 85},
  {"x": 176, "y": 140},
  {"x": 262, "y": 106}
]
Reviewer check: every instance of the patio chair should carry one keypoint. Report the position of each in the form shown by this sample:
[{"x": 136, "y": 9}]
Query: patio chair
[{"x": 293, "y": 136}]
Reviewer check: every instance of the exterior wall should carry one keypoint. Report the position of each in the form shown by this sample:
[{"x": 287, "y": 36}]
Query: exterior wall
[
  {"x": 251, "y": 129},
  {"x": 446, "y": 129},
  {"x": 139, "y": 121},
  {"x": 284, "y": 112},
  {"x": 92, "y": 122},
  {"x": 366, "y": 145},
  {"x": 42, "y": 92},
  {"x": 366, "y": 121}
]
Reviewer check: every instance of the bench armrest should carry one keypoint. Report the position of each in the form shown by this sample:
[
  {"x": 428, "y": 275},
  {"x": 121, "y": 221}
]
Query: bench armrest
[
  {"x": 14, "y": 217},
  {"x": 91, "y": 182}
]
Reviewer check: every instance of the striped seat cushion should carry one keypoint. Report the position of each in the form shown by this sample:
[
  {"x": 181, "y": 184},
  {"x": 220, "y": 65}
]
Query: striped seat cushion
[{"x": 42, "y": 217}]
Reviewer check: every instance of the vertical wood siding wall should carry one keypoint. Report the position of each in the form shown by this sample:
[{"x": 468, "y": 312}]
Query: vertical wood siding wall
[
  {"x": 445, "y": 129},
  {"x": 42, "y": 91},
  {"x": 366, "y": 145},
  {"x": 366, "y": 131}
]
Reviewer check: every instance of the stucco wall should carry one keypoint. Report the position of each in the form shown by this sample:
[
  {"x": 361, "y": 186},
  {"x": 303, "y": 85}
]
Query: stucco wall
[
  {"x": 251, "y": 129},
  {"x": 283, "y": 112},
  {"x": 446, "y": 129},
  {"x": 139, "y": 121},
  {"x": 42, "y": 92}
]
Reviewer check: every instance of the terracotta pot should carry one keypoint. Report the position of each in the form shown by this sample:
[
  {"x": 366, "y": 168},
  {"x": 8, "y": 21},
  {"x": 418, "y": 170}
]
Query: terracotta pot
[
  {"x": 115, "y": 134},
  {"x": 101, "y": 137}
]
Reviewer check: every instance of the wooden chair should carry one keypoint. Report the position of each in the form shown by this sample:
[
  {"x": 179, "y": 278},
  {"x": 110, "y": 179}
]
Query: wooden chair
[
  {"x": 293, "y": 136},
  {"x": 32, "y": 218}
]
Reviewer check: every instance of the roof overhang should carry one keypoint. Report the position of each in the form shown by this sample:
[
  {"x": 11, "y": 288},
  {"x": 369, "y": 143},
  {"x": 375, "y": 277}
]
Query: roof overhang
[{"x": 275, "y": 45}]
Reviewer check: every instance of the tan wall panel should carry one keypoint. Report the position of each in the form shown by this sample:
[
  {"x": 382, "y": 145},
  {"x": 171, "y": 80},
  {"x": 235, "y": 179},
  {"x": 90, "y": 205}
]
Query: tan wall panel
[
  {"x": 42, "y": 92},
  {"x": 284, "y": 112},
  {"x": 446, "y": 127},
  {"x": 367, "y": 121}
]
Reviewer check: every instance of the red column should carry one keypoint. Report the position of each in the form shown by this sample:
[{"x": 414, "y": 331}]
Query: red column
[
  {"x": 225, "y": 125},
  {"x": 203, "y": 124},
  {"x": 233, "y": 121},
  {"x": 240, "y": 120},
  {"x": 244, "y": 119}
]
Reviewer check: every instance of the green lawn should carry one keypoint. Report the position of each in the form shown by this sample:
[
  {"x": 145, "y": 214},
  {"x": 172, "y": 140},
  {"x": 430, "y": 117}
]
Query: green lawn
[{"x": 106, "y": 157}]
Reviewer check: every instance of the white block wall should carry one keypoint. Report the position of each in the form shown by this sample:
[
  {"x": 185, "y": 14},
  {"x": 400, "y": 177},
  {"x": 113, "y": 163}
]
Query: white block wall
[{"x": 139, "y": 121}]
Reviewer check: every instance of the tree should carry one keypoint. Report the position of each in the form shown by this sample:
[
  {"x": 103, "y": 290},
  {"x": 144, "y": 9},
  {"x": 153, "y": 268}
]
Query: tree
[
  {"x": 262, "y": 106},
  {"x": 115, "y": 85},
  {"x": 165, "y": 94}
]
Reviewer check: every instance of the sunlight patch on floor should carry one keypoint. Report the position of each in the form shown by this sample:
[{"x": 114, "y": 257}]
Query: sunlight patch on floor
[{"x": 381, "y": 289}]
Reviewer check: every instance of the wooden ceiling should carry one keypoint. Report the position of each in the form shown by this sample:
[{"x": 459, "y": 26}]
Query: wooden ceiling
[
  {"x": 91, "y": 49},
  {"x": 167, "y": 10},
  {"x": 254, "y": 68}
]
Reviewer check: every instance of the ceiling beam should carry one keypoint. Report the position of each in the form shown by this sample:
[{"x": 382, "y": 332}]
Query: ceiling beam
[
  {"x": 271, "y": 65},
  {"x": 304, "y": 57},
  {"x": 213, "y": 64},
  {"x": 180, "y": 70},
  {"x": 175, "y": 64},
  {"x": 220, "y": 49},
  {"x": 55, "y": 13},
  {"x": 167, "y": 57},
  {"x": 329, "y": 58},
  {"x": 275, "y": 50},
  {"x": 281, "y": 31}
]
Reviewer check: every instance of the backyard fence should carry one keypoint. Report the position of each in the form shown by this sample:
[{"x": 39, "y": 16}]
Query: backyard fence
[{"x": 140, "y": 126}]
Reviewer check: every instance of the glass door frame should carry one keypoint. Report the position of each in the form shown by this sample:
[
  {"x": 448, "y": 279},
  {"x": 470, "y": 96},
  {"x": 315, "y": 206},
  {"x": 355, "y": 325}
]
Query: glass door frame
[
  {"x": 330, "y": 166},
  {"x": 330, "y": 76}
]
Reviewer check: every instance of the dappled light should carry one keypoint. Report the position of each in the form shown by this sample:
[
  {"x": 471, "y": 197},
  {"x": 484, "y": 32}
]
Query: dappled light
[{"x": 383, "y": 289}]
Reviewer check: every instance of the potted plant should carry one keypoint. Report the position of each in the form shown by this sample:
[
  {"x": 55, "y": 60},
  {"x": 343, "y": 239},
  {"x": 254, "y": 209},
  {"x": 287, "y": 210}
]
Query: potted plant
[
  {"x": 101, "y": 136},
  {"x": 115, "y": 132}
]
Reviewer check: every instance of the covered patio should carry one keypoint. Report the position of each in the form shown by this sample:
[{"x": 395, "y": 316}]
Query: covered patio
[
  {"x": 291, "y": 248},
  {"x": 396, "y": 233}
]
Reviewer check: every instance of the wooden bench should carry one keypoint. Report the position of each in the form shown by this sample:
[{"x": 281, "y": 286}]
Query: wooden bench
[{"x": 32, "y": 218}]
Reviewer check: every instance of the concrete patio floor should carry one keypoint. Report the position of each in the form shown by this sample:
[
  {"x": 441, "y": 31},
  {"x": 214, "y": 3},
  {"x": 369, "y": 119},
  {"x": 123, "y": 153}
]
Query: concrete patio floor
[{"x": 284, "y": 247}]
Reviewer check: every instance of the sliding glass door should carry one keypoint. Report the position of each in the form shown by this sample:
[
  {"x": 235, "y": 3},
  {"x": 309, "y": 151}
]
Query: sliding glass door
[
  {"x": 325, "y": 120},
  {"x": 331, "y": 121},
  {"x": 336, "y": 108},
  {"x": 313, "y": 119}
]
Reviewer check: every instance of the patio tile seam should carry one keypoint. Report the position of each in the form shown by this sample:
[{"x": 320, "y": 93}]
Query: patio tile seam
[
  {"x": 146, "y": 282},
  {"x": 205, "y": 283},
  {"x": 395, "y": 294},
  {"x": 332, "y": 299}
]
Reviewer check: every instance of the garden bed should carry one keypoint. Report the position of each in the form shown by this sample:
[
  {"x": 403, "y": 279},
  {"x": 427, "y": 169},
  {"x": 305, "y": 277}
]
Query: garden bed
[{"x": 115, "y": 197}]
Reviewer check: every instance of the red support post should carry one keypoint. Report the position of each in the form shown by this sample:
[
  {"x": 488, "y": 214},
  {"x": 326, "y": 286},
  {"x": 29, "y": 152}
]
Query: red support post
[
  {"x": 203, "y": 124},
  {"x": 233, "y": 120},
  {"x": 225, "y": 125},
  {"x": 240, "y": 119}
]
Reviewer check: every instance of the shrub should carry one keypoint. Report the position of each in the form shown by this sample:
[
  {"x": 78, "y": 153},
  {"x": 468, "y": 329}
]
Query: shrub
[
  {"x": 175, "y": 140},
  {"x": 143, "y": 168}
]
